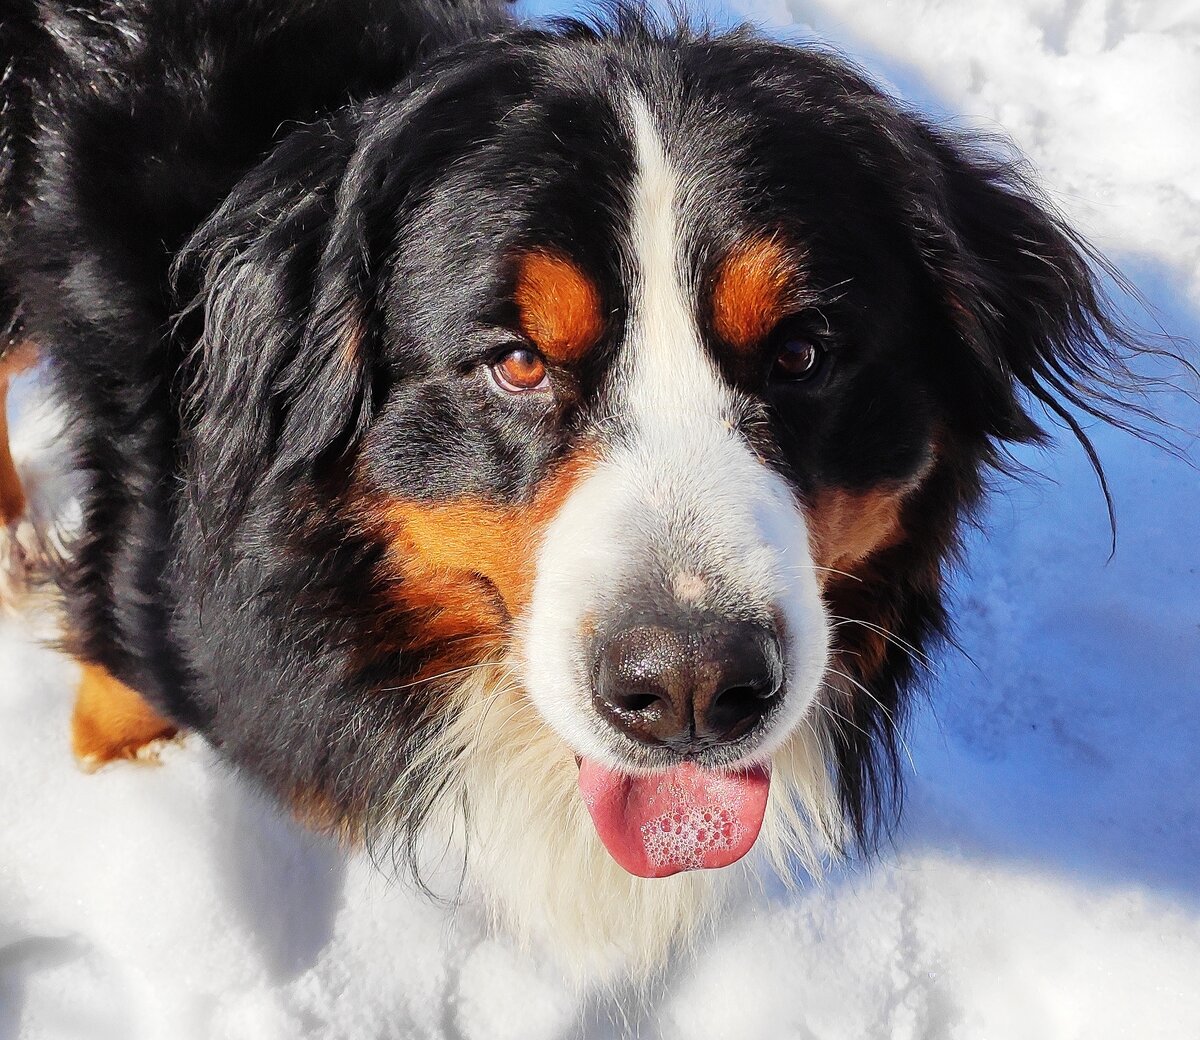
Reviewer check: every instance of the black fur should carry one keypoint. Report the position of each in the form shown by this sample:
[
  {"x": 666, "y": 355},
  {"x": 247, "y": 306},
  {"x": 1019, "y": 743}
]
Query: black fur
[
  {"x": 23, "y": 48},
  {"x": 266, "y": 246}
]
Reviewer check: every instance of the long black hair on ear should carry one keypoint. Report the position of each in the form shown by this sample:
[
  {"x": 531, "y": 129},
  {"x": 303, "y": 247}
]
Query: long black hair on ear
[
  {"x": 279, "y": 376},
  {"x": 1027, "y": 298},
  {"x": 25, "y": 57}
]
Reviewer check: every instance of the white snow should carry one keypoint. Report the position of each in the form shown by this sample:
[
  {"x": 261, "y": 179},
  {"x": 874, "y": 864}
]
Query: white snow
[{"x": 1047, "y": 880}]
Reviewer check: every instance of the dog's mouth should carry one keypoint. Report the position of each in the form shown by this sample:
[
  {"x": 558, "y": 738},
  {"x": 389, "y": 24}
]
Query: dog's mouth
[{"x": 686, "y": 818}]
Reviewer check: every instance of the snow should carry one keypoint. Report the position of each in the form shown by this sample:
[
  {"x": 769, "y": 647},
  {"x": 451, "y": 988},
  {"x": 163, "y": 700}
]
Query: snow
[{"x": 1047, "y": 880}]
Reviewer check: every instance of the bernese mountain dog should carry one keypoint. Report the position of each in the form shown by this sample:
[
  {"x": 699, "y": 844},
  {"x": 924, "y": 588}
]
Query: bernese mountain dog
[{"x": 551, "y": 439}]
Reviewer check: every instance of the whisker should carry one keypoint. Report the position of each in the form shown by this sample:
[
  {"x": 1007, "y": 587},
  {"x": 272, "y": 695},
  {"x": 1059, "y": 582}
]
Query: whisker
[
  {"x": 834, "y": 570},
  {"x": 510, "y": 687},
  {"x": 892, "y": 638},
  {"x": 887, "y": 711},
  {"x": 805, "y": 568},
  {"x": 838, "y": 715},
  {"x": 842, "y": 651},
  {"x": 434, "y": 678}
]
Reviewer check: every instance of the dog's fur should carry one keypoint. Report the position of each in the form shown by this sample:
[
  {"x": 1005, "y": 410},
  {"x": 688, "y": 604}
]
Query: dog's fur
[{"x": 270, "y": 249}]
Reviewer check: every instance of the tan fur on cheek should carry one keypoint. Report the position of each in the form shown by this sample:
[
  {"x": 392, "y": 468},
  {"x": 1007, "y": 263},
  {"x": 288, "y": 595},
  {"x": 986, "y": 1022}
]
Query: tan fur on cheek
[
  {"x": 318, "y": 812},
  {"x": 558, "y": 305},
  {"x": 462, "y": 569},
  {"x": 847, "y": 527},
  {"x": 12, "y": 495}
]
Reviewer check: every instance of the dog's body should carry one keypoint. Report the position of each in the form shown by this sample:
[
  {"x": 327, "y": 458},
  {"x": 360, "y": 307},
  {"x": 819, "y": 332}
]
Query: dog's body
[{"x": 485, "y": 427}]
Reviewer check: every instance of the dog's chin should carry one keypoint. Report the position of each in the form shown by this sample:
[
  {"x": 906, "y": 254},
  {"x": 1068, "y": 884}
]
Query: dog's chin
[{"x": 588, "y": 863}]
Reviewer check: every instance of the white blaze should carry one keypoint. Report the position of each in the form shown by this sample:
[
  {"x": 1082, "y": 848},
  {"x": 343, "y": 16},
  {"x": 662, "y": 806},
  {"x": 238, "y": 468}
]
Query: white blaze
[{"x": 678, "y": 490}]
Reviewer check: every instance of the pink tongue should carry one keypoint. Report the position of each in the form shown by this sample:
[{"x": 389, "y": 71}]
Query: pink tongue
[{"x": 685, "y": 819}]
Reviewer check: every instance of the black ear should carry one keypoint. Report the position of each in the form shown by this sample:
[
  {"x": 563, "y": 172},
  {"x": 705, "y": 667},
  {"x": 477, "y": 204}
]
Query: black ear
[
  {"x": 279, "y": 378},
  {"x": 1022, "y": 300}
]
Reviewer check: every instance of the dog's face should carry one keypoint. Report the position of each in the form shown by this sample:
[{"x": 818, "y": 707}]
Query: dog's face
[
  {"x": 660, "y": 371},
  {"x": 650, "y": 390}
]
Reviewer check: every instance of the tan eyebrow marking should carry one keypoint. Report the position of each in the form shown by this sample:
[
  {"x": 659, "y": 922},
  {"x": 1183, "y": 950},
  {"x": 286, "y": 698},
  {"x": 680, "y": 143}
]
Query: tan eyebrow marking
[
  {"x": 558, "y": 305},
  {"x": 751, "y": 291}
]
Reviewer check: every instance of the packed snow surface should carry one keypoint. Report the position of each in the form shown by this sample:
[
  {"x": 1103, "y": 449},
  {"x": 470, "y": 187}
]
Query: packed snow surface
[{"x": 1047, "y": 880}]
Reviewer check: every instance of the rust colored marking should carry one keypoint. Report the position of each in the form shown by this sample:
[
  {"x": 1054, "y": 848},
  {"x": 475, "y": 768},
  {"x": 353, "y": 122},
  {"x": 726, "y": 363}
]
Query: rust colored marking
[
  {"x": 845, "y": 528},
  {"x": 558, "y": 305},
  {"x": 456, "y": 573},
  {"x": 352, "y": 337},
  {"x": 752, "y": 291},
  {"x": 12, "y": 494},
  {"x": 470, "y": 560},
  {"x": 112, "y": 723},
  {"x": 318, "y": 812}
]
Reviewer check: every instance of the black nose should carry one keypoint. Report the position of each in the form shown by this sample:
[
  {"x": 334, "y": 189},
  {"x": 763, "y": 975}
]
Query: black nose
[{"x": 687, "y": 687}]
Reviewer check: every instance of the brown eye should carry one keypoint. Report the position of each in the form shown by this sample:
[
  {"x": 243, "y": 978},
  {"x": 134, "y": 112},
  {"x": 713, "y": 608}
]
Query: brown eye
[
  {"x": 519, "y": 371},
  {"x": 798, "y": 358}
]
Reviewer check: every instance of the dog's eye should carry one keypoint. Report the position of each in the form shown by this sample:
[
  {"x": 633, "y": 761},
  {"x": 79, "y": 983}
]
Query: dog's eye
[
  {"x": 519, "y": 371},
  {"x": 798, "y": 355}
]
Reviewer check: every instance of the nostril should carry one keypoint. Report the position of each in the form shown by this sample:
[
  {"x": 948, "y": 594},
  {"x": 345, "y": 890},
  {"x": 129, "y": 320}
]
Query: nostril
[
  {"x": 736, "y": 709},
  {"x": 648, "y": 718},
  {"x": 738, "y": 700},
  {"x": 640, "y": 682},
  {"x": 635, "y": 702},
  {"x": 748, "y": 697},
  {"x": 746, "y": 672}
]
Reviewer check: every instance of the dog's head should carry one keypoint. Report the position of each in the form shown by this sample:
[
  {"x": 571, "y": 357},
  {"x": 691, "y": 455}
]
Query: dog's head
[{"x": 599, "y": 409}]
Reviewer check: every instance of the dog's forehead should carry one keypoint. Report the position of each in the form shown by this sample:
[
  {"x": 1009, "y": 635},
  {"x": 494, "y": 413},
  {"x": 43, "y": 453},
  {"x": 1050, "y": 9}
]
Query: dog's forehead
[
  {"x": 739, "y": 275},
  {"x": 536, "y": 210}
]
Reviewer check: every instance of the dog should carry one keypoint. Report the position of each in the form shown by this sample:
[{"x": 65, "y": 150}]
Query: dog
[{"x": 554, "y": 439}]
